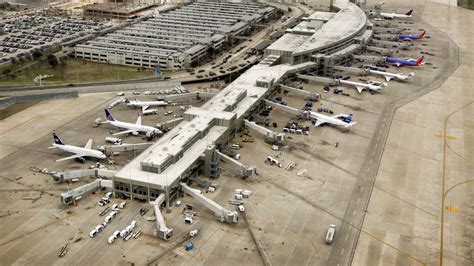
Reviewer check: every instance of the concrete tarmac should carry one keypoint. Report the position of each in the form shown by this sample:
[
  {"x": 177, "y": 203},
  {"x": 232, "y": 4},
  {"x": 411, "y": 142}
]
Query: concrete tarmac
[{"x": 428, "y": 157}]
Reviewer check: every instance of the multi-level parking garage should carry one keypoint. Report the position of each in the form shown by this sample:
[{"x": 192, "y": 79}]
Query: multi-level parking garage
[
  {"x": 175, "y": 39},
  {"x": 326, "y": 38}
]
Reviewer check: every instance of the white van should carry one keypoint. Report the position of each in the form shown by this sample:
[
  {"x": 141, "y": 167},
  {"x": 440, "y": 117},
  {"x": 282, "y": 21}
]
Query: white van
[
  {"x": 111, "y": 239},
  {"x": 330, "y": 234},
  {"x": 124, "y": 233},
  {"x": 116, "y": 234},
  {"x": 108, "y": 218},
  {"x": 93, "y": 233},
  {"x": 108, "y": 195},
  {"x": 99, "y": 228}
]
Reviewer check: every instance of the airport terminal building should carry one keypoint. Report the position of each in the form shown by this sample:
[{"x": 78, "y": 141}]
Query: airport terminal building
[
  {"x": 191, "y": 147},
  {"x": 326, "y": 38},
  {"x": 176, "y": 38}
]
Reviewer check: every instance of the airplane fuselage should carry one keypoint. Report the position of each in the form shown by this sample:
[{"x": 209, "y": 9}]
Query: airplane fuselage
[
  {"x": 394, "y": 15},
  {"x": 388, "y": 76},
  {"x": 134, "y": 127},
  {"x": 142, "y": 104},
  {"x": 330, "y": 120},
  {"x": 401, "y": 62},
  {"x": 79, "y": 150},
  {"x": 359, "y": 85}
]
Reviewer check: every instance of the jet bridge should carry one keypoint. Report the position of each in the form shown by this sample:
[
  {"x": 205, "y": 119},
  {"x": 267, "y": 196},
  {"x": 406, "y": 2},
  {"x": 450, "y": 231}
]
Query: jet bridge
[
  {"x": 76, "y": 174},
  {"x": 352, "y": 70},
  {"x": 243, "y": 169},
  {"x": 287, "y": 109},
  {"x": 71, "y": 196},
  {"x": 269, "y": 134},
  {"x": 161, "y": 231},
  {"x": 220, "y": 212},
  {"x": 308, "y": 95},
  {"x": 125, "y": 147},
  {"x": 323, "y": 80}
]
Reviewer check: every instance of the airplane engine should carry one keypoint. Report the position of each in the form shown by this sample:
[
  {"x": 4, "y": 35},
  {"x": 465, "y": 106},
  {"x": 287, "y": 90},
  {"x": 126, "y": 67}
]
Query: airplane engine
[
  {"x": 81, "y": 160},
  {"x": 149, "y": 134},
  {"x": 97, "y": 122}
]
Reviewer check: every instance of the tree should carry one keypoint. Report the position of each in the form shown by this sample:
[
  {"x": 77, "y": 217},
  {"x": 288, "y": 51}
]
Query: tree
[
  {"x": 7, "y": 72},
  {"x": 52, "y": 60},
  {"x": 37, "y": 54}
]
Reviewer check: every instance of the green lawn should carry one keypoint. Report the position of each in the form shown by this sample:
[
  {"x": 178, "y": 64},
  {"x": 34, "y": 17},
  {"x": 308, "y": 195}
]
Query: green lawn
[
  {"x": 469, "y": 4},
  {"x": 76, "y": 70},
  {"x": 13, "y": 109}
]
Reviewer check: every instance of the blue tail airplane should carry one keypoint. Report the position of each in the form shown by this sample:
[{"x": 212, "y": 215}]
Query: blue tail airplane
[
  {"x": 406, "y": 37},
  {"x": 404, "y": 62}
]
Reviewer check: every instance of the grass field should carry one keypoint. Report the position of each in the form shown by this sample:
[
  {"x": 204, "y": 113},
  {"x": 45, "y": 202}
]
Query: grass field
[
  {"x": 76, "y": 70},
  {"x": 13, "y": 109},
  {"x": 469, "y": 4}
]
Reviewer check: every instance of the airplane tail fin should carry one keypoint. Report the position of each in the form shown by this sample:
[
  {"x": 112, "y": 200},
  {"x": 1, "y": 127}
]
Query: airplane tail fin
[
  {"x": 57, "y": 140},
  {"x": 411, "y": 74},
  {"x": 419, "y": 61},
  {"x": 409, "y": 12},
  {"x": 422, "y": 35},
  {"x": 108, "y": 115}
]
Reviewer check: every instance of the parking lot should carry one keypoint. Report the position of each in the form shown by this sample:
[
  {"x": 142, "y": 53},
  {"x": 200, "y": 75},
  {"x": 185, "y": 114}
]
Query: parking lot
[{"x": 37, "y": 32}]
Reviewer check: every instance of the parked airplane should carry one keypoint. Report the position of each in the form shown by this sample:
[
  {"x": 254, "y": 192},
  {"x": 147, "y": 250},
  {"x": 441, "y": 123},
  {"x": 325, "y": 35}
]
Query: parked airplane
[
  {"x": 131, "y": 128},
  {"x": 404, "y": 62},
  {"x": 145, "y": 105},
  {"x": 389, "y": 76},
  {"x": 396, "y": 15},
  {"x": 337, "y": 120},
  {"x": 360, "y": 86},
  {"x": 407, "y": 37},
  {"x": 79, "y": 152}
]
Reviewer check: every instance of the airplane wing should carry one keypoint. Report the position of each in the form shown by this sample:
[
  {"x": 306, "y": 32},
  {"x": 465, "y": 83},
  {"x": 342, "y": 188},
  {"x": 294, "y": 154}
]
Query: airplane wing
[
  {"x": 88, "y": 144},
  {"x": 398, "y": 64},
  {"x": 388, "y": 78},
  {"x": 139, "y": 120},
  {"x": 124, "y": 132},
  {"x": 144, "y": 107},
  {"x": 69, "y": 158},
  {"x": 319, "y": 122},
  {"x": 360, "y": 89},
  {"x": 350, "y": 124}
]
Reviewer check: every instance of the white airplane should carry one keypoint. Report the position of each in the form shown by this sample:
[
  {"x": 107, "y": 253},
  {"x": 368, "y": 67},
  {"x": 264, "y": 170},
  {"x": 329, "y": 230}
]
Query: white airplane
[
  {"x": 145, "y": 105},
  {"x": 131, "y": 128},
  {"x": 389, "y": 76},
  {"x": 337, "y": 120},
  {"x": 79, "y": 152},
  {"x": 360, "y": 86},
  {"x": 396, "y": 15}
]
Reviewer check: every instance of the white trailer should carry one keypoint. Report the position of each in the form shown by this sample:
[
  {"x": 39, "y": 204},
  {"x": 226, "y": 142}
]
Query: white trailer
[{"x": 223, "y": 214}]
